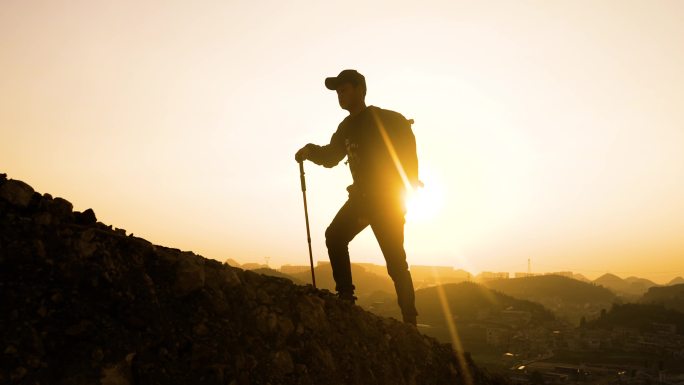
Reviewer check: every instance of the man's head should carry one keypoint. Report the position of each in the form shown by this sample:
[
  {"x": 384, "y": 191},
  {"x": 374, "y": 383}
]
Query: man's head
[{"x": 351, "y": 89}]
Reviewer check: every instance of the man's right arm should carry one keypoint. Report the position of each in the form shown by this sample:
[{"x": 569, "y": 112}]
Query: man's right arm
[{"x": 328, "y": 156}]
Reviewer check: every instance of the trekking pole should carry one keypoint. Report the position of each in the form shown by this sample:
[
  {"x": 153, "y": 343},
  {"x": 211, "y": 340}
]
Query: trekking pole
[{"x": 306, "y": 216}]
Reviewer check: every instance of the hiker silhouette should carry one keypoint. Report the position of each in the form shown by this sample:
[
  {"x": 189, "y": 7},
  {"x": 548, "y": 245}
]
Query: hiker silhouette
[{"x": 381, "y": 152}]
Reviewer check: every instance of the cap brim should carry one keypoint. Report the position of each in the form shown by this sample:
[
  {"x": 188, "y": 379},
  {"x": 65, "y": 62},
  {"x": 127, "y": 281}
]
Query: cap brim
[{"x": 332, "y": 83}]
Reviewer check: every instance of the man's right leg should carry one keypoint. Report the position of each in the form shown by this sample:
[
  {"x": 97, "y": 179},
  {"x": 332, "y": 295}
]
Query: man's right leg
[{"x": 344, "y": 227}]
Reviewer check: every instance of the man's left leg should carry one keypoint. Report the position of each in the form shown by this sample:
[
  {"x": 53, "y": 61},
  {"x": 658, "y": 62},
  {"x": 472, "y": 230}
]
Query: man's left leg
[{"x": 389, "y": 231}]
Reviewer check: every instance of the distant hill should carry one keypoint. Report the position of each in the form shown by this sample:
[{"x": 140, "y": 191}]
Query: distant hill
[
  {"x": 539, "y": 288},
  {"x": 477, "y": 311},
  {"x": 639, "y": 285},
  {"x": 567, "y": 297},
  {"x": 644, "y": 317},
  {"x": 275, "y": 273},
  {"x": 365, "y": 282},
  {"x": 468, "y": 301},
  {"x": 676, "y": 281},
  {"x": 630, "y": 287},
  {"x": 610, "y": 281},
  {"x": 669, "y": 296},
  {"x": 253, "y": 266},
  {"x": 232, "y": 262},
  {"x": 581, "y": 277}
]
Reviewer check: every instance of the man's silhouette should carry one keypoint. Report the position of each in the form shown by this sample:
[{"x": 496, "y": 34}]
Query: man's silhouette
[{"x": 380, "y": 150}]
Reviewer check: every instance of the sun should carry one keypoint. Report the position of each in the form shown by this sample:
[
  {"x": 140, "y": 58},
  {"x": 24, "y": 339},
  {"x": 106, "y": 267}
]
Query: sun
[{"x": 424, "y": 204}]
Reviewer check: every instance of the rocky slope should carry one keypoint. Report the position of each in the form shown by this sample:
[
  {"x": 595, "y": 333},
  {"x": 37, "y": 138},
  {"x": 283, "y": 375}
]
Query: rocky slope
[{"x": 83, "y": 303}]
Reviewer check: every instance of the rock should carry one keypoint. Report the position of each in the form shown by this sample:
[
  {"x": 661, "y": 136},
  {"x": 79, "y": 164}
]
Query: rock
[
  {"x": 39, "y": 249},
  {"x": 34, "y": 362},
  {"x": 16, "y": 192},
  {"x": 86, "y": 245},
  {"x": 61, "y": 208},
  {"x": 323, "y": 357},
  {"x": 118, "y": 373},
  {"x": 265, "y": 320},
  {"x": 201, "y": 329},
  {"x": 80, "y": 328},
  {"x": 285, "y": 327},
  {"x": 190, "y": 275},
  {"x": 112, "y": 375},
  {"x": 18, "y": 373},
  {"x": 85, "y": 218},
  {"x": 263, "y": 297},
  {"x": 57, "y": 297},
  {"x": 201, "y": 354},
  {"x": 311, "y": 312},
  {"x": 43, "y": 218},
  {"x": 230, "y": 277},
  {"x": 282, "y": 362},
  {"x": 97, "y": 355}
]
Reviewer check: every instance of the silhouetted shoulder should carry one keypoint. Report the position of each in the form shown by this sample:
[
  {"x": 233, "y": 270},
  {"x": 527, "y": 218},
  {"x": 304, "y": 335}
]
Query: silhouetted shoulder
[
  {"x": 345, "y": 123},
  {"x": 388, "y": 114}
]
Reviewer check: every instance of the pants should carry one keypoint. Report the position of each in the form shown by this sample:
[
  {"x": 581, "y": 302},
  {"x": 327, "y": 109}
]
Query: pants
[{"x": 386, "y": 219}]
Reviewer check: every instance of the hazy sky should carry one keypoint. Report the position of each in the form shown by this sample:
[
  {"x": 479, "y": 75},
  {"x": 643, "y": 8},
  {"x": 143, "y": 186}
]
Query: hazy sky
[{"x": 550, "y": 130}]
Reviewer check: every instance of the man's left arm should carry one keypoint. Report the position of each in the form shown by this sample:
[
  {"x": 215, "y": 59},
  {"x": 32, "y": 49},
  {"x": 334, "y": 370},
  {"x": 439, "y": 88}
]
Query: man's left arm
[{"x": 411, "y": 160}]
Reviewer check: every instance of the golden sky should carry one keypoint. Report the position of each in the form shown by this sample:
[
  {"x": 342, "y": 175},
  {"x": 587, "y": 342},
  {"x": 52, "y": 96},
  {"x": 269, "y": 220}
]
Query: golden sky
[{"x": 550, "y": 130}]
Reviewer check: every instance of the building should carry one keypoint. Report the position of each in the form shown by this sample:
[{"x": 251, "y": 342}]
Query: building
[
  {"x": 294, "y": 269},
  {"x": 567, "y": 274},
  {"x": 425, "y": 276},
  {"x": 490, "y": 276}
]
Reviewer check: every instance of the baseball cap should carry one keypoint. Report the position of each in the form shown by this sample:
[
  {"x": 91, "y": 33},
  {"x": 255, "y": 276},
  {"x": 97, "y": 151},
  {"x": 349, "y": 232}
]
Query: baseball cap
[{"x": 346, "y": 76}]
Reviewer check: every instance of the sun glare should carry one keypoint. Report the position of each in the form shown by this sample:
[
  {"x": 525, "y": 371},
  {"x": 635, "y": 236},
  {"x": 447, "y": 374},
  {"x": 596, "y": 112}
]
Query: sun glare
[{"x": 424, "y": 204}]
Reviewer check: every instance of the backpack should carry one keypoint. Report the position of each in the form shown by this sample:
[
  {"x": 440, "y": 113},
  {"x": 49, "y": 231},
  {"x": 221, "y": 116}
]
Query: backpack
[{"x": 397, "y": 134}]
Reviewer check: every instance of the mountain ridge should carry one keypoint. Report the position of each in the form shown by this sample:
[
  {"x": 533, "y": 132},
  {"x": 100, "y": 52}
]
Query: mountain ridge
[{"x": 631, "y": 287}]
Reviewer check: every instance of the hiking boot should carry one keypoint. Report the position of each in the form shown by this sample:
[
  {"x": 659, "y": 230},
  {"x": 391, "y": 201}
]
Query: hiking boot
[
  {"x": 410, "y": 319},
  {"x": 347, "y": 297}
]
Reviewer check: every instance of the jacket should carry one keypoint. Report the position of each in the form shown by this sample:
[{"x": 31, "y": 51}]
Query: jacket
[{"x": 380, "y": 148}]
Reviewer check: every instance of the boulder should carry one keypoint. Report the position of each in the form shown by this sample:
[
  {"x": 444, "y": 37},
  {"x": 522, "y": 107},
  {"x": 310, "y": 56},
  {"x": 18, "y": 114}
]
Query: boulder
[
  {"x": 16, "y": 192},
  {"x": 190, "y": 275},
  {"x": 61, "y": 208},
  {"x": 85, "y": 218}
]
